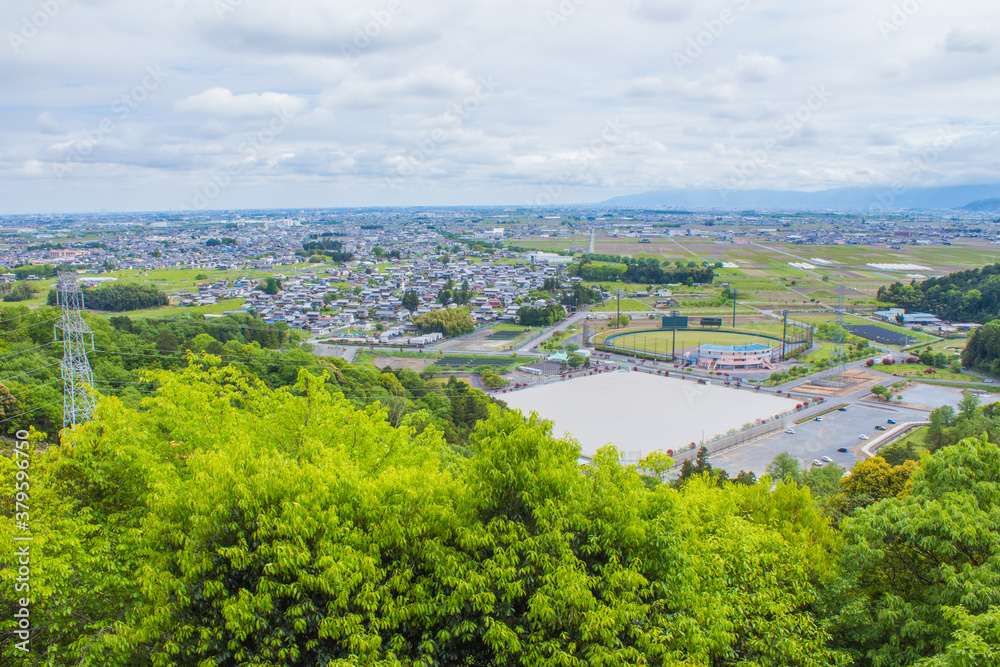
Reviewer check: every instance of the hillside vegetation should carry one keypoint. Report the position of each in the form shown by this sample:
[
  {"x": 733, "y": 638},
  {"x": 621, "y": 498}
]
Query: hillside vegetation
[
  {"x": 225, "y": 522},
  {"x": 963, "y": 296}
]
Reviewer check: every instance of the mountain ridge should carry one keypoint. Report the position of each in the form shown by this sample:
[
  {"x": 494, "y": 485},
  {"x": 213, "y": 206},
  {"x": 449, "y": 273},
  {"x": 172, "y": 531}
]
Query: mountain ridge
[{"x": 859, "y": 199}]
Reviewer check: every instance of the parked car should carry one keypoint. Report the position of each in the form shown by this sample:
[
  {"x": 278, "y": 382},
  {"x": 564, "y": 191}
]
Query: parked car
[
  {"x": 842, "y": 450},
  {"x": 827, "y": 459},
  {"x": 841, "y": 409},
  {"x": 880, "y": 428},
  {"x": 818, "y": 419},
  {"x": 818, "y": 464},
  {"x": 862, "y": 437},
  {"x": 790, "y": 430},
  {"x": 890, "y": 421}
]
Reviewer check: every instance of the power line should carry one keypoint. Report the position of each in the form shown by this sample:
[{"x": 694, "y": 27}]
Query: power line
[
  {"x": 7, "y": 379},
  {"x": 19, "y": 317},
  {"x": 30, "y": 325},
  {"x": 37, "y": 347},
  {"x": 28, "y": 412},
  {"x": 35, "y": 388}
]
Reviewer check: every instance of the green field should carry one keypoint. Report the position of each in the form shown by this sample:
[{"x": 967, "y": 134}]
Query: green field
[
  {"x": 919, "y": 372},
  {"x": 661, "y": 342},
  {"x": 177, "y": 311},
  {"x": 611, "y": 306}
]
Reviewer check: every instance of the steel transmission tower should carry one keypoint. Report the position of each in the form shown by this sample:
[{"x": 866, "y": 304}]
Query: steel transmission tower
[{"x": 78, "y": 379}]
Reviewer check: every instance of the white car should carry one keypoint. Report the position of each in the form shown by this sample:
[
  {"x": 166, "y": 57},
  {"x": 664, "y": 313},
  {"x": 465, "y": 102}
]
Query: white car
[
  {"x": 862, "y": 437},
  {"x": 790, "y": 430},
  {"x": 828, "y": 459}
]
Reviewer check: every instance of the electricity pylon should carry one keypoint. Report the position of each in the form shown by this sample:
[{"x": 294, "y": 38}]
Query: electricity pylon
[{"x": 78, "y": 379}]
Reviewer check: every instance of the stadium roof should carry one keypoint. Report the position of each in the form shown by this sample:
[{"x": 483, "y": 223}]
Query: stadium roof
[{"x": 756, "y": 347}]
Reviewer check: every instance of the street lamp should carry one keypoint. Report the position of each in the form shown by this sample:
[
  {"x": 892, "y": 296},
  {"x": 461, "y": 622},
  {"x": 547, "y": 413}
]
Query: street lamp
[{"x": 618, "y": 322}]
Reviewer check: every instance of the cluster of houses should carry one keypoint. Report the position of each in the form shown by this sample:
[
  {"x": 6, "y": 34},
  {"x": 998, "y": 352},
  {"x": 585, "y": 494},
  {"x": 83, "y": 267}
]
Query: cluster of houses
[{"x": 363, "y": 299}]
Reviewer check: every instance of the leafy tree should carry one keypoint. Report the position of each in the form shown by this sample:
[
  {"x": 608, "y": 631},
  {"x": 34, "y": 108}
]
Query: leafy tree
[
  {"x": 785, "y": 468},
  {"x": 411, "y": 301},
  {"x": 272, "y": 286},
  {"x": 823, "y": 481},
  {"x": 941, "y": 419},
  {"x": 450, "y": 322},
  {"x": 547, "y": 316},
  {"x": 7, "y": 402},
  {"x": 492, "y": 380},
  {"x": 870, "y": 481},
  {"x": 881, "y": 392},
  {"x": 924, "y": 567},
  {"x": 21, "y": 291}
]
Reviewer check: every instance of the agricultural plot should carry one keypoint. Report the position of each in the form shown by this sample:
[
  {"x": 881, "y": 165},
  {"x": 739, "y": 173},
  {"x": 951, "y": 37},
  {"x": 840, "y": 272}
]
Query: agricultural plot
[
  {"x": 452, "y": 362},
  {"x": 611, "y": 306},
  {"x": 507, "y": 335}
]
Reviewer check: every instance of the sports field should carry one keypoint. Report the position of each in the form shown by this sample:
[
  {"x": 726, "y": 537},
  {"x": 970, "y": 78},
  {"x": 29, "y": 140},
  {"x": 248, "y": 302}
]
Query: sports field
[
  {"x": 661, "y": 413},
  {"x": 661, "y": 342}
]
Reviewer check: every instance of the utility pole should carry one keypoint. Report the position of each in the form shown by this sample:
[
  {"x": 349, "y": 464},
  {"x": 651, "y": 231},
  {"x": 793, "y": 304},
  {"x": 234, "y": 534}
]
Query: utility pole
[
  {"x": 784, "y": 335},
  {"x": 78, "y": 379},
  {"x": 734, "y": 293}
]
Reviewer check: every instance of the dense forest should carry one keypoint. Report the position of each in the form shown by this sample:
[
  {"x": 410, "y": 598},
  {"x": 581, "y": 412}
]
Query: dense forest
[
  {"x": 120, "y": 297},
  {"x": 963, "y": 296},
  {"x": 226, "y": 522},
  {"x": 125, "y": 351},
  {"x": 449, "y": 322},
  {"x": 541, "y": 317},
  {"x": 237, "y": 500},
  {"x": 641, "y": 270},
  {"x": 982, "y": 351}
]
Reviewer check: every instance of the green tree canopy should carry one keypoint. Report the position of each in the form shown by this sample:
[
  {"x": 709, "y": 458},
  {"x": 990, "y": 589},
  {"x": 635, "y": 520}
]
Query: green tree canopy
[{"x": 925, "y": 566}]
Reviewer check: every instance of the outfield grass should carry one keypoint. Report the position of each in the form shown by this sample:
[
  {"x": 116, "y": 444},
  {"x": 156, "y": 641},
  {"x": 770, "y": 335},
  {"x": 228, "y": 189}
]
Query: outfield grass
[{"x": 661, "y": 342}]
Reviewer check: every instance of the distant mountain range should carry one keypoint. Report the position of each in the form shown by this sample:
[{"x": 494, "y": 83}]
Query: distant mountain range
[
  {"x": 860, "y": 200},
  {"x": 983, "y": 206}
]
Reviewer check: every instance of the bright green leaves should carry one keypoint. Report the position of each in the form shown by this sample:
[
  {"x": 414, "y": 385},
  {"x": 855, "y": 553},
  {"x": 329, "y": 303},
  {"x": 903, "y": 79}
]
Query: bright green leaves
[
  {"x": 229, "y": 523},
  {"x": 928, "y": 562}
]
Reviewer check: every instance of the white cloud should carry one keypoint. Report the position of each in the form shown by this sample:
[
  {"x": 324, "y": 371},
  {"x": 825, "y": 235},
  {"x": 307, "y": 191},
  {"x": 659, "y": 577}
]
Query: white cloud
[
  {"x": 969, "y": 40},
  {"x": 46, "y": 123},
  {"x": 757, "y": 68},
  {"x": 357, "y": 116},
  {"x": 663, "y": 10},
  {"x": 222, "y": 102}
]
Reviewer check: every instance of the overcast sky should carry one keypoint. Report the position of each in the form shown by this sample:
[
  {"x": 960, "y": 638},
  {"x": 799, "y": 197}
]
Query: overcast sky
[{"x": 182, "y": 104}]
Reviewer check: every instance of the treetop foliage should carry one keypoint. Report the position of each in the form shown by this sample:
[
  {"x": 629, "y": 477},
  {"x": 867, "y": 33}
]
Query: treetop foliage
[
  {"x": 965, "y": 296},
  {"x": 120, "y": 297}
]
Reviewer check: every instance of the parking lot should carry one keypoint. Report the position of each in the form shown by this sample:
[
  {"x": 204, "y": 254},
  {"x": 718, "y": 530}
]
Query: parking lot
[{"x": 813, "y": 440}]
